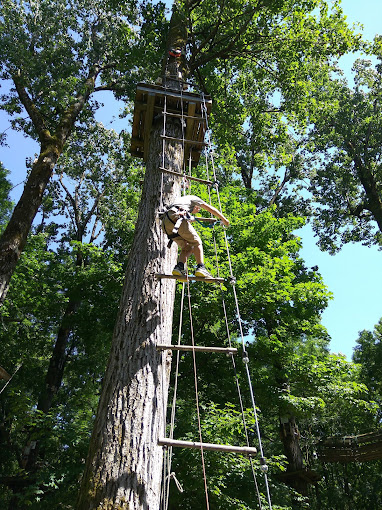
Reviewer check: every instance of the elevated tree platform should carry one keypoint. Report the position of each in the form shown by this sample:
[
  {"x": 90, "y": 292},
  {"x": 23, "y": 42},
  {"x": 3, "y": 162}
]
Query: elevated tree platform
[
  {"x": 361, "y": 448},
  {"x": 307, "y": 475},
  {"x": 152, "y": 100}
]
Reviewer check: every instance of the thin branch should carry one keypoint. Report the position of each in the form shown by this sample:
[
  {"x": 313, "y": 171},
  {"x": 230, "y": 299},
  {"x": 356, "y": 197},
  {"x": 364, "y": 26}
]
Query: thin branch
[
  {"x": 279, "y": 188},
  {"x": 69, "y": 117}
]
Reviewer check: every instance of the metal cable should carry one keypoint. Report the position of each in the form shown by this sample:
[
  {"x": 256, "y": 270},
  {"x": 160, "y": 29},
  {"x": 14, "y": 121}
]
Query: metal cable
[{"x": 246, "y": 360}]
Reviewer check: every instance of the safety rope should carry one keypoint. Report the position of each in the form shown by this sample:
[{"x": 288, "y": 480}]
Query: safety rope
[
  {"x": 167, "y": 474},
  {"x": 167, "y": 477},
  {"x": 197, "y": 396}
]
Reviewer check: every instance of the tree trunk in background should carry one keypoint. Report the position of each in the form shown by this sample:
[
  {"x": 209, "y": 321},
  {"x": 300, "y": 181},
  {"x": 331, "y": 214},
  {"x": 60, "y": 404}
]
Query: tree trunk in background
[
  {"x": 53, "y": 381},
  {"x": 290, "y": 438},
  {"x": 15, "y": 235}
]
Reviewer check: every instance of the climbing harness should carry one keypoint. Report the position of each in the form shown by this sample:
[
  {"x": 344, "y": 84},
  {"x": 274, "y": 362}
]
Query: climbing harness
[{"x": 183, "y": 215}]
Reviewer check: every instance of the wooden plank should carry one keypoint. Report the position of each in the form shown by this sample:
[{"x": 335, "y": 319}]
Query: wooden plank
[
  {"x": 181, "y": 140},
  {"x": 137, "y": 142},
  {"x": 187, "y": 117},
  {"x": 172, "y": 93},
  {"x": 190, "y": 122},
  {"x": 244, "y": 450},
  {"x": 148, "y": 123},
  {"x": 190, "y": 125},
  {"x": 198, "y": 348},
  {"x": 190, "y": 278},
  {"x": 170, "y": 112},
  {"x": 185, "y": 176}
]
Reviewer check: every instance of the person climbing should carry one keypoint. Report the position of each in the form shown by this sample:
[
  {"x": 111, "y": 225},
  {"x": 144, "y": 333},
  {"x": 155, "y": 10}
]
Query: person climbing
[{"x": 176, "y": 224}]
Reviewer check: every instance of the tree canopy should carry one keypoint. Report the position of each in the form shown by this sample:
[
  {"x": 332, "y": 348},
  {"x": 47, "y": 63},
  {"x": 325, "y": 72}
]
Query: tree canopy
[{"x": 278, "y": 111}]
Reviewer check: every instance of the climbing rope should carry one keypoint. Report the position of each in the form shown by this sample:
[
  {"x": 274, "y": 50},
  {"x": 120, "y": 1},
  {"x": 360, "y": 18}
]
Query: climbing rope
[
  {"x": 167, "y": 473},
  {"x": 167, "y": 464},
  {"x": 263, "y": 465}
]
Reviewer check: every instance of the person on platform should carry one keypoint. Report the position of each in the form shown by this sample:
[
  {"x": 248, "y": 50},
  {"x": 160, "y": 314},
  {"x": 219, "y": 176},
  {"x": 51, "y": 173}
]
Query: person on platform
[{"x": 176, "y": 223}]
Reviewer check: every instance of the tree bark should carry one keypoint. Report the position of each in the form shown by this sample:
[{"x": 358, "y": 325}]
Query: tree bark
[
  {"x": 290, "y": 438},
  {"x": 14, "y": 237},
  {"x": 124, "y": 464}
]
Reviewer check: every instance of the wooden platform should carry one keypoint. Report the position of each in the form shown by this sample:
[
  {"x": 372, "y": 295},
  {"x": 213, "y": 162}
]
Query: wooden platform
[
  {"x": 190, "y": 278},
  {"x": 150, "y": 100},
  {"x": 361, "y": 448},
  {"x": 4, "y": 374},
  {"x": 304, "y": 474}
]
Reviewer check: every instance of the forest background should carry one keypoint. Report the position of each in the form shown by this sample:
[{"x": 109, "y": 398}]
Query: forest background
[
  {"x": 66, "y": 289},
  {"x": 345, "y": 315}
]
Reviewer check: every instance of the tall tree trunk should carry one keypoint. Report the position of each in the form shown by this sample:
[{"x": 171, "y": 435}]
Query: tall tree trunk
[
  {"x": 53, "y": 381},
  {"x": 15, "y": 235},
  {"x": 124, "y": 464},
  {"x": 290, "y": 438}
]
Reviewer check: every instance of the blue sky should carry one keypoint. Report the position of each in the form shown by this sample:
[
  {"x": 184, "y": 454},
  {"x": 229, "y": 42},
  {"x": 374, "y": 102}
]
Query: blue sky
[{"x": 354, "y": 275}]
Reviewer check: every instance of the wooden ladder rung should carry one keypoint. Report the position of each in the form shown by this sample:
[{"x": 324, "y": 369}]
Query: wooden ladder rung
[
  {"x": 190, "y": 278},
  {"x": 244, "y": 450},
  {"x": 180, "y": 115},
  {"x": 189, "y": 177},
  {"x": 183, "y": 140},
  {"x": 198, "y": 348}
]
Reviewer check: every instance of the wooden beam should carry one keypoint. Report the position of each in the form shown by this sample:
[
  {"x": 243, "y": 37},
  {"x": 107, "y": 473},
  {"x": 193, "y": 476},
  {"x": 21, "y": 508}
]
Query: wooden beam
[
  {"x": 144, "y": 88},
  {"x": 141, "y": 106},
  {"x": 148, "y": 123},
  {"x": 181, "y": 140},
  {"x": 198, "y": 348},
  {"x": 189, "y": 177},
  {"x": 244, "y": 450},
  {"x": 190, "y": 278},
  {"x": 190, "y": 122}
]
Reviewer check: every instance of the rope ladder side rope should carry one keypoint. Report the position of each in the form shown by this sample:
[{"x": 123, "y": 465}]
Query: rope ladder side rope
[
  {"x": 263, "y": 465},
  {"x": 167, "y": 474}
]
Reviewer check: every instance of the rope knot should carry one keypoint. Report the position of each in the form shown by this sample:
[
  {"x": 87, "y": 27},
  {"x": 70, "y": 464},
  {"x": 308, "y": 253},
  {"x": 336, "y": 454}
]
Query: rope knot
[{"x": 177, "y": 483}]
